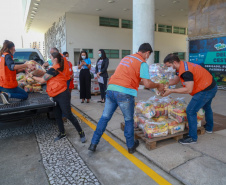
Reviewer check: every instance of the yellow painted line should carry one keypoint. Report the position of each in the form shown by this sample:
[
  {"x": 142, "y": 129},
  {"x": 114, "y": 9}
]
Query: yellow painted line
[{"x": 151, "y": 173}]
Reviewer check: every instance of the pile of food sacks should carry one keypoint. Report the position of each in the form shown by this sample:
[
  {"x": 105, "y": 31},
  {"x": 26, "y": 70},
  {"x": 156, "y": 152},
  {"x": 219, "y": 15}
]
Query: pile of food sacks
[
  {"x": 159, "y": 117},
  {"x": 27, "y": 83}
]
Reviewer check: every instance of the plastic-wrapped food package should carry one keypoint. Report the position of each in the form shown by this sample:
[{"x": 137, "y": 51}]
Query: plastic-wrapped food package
[
  {"x": 36, "y": 70},
  {"x": 95, "y": 87},
  {"x": 37, "y": 87},
  {"x": 160, "y": 106},
  {"x": 76, "y": 82},
  {"x": 21, "y": 84},
  {"x": 20, "y": 76},
  {"x": 177, "y": 111},
  {"x": 28, "y": 88},
  {"x": 160, "y": 74},
  {"x": 175, "y": 127},
  {"x": 155, "y": 129},
  {"x": 200, "y": 114},
  {"x": 145, "y": 108},
  {"x": 30, "y": 80}
]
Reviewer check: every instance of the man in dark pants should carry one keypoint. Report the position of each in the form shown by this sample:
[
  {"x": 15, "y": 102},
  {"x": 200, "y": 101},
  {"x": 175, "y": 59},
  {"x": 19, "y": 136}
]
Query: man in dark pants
[
  {"x": 123, "y": 87},
  {"x": 199, "y": 83}
]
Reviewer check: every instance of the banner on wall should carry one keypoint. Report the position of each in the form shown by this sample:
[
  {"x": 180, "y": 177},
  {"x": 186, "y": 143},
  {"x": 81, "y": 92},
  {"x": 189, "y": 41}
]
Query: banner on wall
[{"x": 210, "y": 54}]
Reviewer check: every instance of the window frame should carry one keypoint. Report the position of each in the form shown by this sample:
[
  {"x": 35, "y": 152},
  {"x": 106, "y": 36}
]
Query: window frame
[
  {"x": 108, "y": 22},
  {"x": 110, "y": 52},
  {"x": 85, "y": 49},
  {"x": 130, "y": 24}
]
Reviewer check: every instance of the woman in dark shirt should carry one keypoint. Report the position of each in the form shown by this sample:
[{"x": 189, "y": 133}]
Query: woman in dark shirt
[
  {"x": 101, "y": 71},
  {"x": 9, "y": 86},
  {"x": 57, "y": 89}
]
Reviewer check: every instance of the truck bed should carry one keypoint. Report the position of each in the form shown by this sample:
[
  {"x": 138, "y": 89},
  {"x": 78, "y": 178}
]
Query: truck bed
[{"x": 36, "y": 102}]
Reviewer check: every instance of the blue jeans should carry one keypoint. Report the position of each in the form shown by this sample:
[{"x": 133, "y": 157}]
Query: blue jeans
[
  {"x": 15, "y": 93},
  {"x": 200, "y": 100},
  {"x": 126, "y": 104}
]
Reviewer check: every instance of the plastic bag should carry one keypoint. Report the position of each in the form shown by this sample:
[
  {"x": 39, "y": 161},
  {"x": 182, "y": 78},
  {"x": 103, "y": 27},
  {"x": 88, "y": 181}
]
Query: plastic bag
[
  {"x": 155, "y": 129},
  {"x": 20, "y": 76},
  {"x": 28, "y": 88},
  {"x": 21, "y": 84},
  {"x": 38, "y": 70},
  {"x": 30, "y": 80},
  {"x": 177, "y": 110},
  {"x": 37, "y": 88},
  {"x": 160, "y": 106},
  {"x": 175, "y": 127},
  {"x": 200, "y": 114},
  {"x": 145, "y": 108}
]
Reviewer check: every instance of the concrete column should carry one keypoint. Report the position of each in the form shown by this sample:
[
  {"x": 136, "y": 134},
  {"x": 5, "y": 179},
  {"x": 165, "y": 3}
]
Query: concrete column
[{"x": 143, "y": 24}]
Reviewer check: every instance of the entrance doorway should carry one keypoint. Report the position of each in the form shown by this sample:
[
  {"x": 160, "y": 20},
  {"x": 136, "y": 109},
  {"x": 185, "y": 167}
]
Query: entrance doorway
[
  {"x": 156, "y": 57},
  {"x": 76, "y": 56}
]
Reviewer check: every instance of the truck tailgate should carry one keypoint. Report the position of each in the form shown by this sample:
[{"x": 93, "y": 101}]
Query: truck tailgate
[{"x": 34, "y": 101}]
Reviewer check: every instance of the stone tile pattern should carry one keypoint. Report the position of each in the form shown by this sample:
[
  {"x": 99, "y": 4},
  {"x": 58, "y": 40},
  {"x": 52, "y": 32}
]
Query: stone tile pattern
[
  {"x": 61, "y": 161},
  {"x": 56, "y": 35},
  {"x": 25, "y": 129}
]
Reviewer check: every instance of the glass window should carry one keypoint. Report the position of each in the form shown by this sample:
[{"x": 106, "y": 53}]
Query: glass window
[
  {"x": 21, "y": 57},
  {"x": 179, "y": 30},
  {"x": 127, "y": 24},
  {"x": 112, "y": 53},
  {"x": 104, "y": 21},
  {"x": 181, "y": 55},
  {"x": 164, "y": 28},
  {"x": 125, "y": 53},
  {"x": 156, "y": 57},
  {"x": 89, "y": 52}
]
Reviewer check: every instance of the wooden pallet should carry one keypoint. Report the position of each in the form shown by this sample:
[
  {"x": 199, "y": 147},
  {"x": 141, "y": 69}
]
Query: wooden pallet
[{"x": 152, "y": 143}]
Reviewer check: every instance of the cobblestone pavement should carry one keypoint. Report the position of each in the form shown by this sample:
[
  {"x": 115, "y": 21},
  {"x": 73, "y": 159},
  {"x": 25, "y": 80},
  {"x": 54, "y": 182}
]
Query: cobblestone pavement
[{"x": 62, "y": 163}]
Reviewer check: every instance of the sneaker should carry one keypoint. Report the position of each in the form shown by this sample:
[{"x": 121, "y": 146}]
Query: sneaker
[
  {"x": 60, "y": 136},
  {"x": 187, "y": 140},
  {"x": 5, "y": 98},
  {"x": 82, "y": 137},
  {"x": 92, "y": 147},
  {"x": 133, "y": 149},
  {"x": 209, "y": 132}
]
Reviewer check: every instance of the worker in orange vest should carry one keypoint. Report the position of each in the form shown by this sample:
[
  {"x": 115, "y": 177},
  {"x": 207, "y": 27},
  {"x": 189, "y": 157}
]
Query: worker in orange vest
[
  {"x": 121, "y": 91},
  {"x": 8, "y": 69},
  {"x": 57, "y": 89},
  {"x": 200, "y": 84}
]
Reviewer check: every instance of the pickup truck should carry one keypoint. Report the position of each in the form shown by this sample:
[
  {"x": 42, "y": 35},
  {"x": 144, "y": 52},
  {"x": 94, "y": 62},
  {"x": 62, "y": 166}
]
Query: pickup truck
[{"x": 36, "y": 103}]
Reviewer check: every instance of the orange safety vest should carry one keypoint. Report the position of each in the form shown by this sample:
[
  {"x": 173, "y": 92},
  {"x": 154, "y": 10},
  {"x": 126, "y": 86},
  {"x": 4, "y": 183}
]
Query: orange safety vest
[
  {"x": 127, "y": 74},
  {"x": 66, "y": 70},
  {"x": 57, "y": 84},
  {"x": 202, "y": 78},
  {"x": 7, "y": 77}
]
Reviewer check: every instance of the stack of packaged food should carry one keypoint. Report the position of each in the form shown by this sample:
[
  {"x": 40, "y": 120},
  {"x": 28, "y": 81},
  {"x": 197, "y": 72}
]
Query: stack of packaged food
[
  {"x": 159, "y": 117},
  {"x": 27, "y": 83},
  {"x": 76, "y": 77},
  {"x": 94, "y": 80}
]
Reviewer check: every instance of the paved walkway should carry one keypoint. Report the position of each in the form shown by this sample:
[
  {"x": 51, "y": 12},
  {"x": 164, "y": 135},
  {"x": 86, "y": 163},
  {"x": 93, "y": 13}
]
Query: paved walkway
[{"x": 203, "y": 163}]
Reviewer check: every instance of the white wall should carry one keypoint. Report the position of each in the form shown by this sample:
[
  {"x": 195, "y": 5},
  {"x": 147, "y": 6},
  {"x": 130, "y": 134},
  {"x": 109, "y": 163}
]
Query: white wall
[
  {"x": 169, "y": 43},
  {"x": 83, "y": 31}
]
